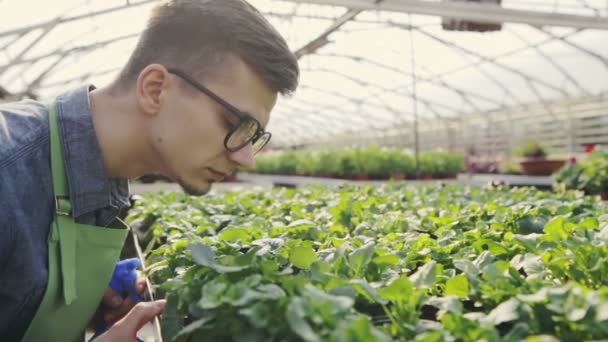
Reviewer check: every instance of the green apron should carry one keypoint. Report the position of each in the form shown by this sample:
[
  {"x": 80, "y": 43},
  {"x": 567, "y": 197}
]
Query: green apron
[{"x": 81, "y": 262}]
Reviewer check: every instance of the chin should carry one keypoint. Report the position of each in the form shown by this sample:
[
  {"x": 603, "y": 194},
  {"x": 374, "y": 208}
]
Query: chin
[{"x": 194, "y": 190}]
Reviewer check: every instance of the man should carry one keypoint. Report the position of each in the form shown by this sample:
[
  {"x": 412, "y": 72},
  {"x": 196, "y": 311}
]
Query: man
[{"x": 191, "y": 103}]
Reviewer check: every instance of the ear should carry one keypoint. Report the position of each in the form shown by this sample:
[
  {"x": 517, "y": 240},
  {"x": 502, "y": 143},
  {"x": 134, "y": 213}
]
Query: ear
[{"x": 152, "y": 83}]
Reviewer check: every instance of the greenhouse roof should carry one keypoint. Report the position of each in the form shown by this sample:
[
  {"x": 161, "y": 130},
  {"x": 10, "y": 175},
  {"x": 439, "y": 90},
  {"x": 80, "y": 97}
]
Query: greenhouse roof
[{"x": 366, "y": 65}]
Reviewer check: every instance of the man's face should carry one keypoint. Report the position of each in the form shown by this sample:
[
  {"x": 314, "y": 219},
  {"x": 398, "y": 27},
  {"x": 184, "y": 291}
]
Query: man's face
[{"x": 189, "y": 130}]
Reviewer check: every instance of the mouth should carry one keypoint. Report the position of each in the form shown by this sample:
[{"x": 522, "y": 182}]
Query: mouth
[{"x": 217, "y": 175}]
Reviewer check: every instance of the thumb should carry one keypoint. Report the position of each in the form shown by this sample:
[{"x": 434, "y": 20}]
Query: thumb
[{"x": 141, "y": 314}]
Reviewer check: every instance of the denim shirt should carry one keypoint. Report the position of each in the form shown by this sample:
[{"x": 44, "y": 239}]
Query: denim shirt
[{"x": 26, "y": 196}]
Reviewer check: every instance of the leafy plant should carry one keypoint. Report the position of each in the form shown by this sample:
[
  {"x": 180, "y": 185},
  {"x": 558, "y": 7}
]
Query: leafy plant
[
  {"x": 509, "y": 166},
  {"x": 590, "y": 175},
  {"x": 532, "y": 149},
  {"x": 378, "y": 264},
  {"x": 372, "y": 161}
]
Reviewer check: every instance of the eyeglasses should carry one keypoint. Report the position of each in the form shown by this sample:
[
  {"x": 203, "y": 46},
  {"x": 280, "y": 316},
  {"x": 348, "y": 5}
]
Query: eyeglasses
[{"x": 248, "y": 130}]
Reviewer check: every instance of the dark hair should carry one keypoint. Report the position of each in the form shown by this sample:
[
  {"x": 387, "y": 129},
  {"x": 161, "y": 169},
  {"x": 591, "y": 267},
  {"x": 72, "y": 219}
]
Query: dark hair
[{"x": 197, "y": 35}]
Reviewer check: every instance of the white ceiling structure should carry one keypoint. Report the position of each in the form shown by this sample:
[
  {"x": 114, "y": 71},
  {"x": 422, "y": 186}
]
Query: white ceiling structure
[{"x": 366, "y": 64}]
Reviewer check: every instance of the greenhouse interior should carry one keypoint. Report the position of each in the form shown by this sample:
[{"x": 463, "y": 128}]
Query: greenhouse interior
[{"x": 440, "y": 173}]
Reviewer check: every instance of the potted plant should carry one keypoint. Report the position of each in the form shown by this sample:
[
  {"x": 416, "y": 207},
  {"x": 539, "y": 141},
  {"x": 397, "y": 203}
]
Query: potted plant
[
  {"x": 452, "y": 165},
  {"x": 535, "y": 162},
  {"x": 329, "y": 164},
  {"x": 402, "y": 165},
  {"x": 590, "y": 175}
]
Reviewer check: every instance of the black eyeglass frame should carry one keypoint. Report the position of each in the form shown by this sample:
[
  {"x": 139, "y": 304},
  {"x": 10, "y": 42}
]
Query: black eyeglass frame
[{"x": 243, "y": 116}]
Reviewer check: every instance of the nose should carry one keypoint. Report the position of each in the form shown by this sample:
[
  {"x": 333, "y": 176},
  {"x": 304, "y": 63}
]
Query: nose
[{"x": 243, "y": 157}]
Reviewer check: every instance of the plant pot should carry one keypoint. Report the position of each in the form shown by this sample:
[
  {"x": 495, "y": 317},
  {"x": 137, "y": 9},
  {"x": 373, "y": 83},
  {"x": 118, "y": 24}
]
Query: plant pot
[
  {"x": 397, "y": 176},
  {"x": 361, "y": 176},
  {"x": 540, "y": 167}
]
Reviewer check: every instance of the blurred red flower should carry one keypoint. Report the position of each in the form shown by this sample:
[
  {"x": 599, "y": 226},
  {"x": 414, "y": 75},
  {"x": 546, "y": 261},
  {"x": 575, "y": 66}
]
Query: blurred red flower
[{"x": 589, "y": 148}]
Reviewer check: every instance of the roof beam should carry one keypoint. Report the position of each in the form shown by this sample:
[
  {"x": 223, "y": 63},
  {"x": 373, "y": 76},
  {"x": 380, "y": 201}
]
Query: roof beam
[
  {"x": 12, "y": 41},
  {"x": 25, "y": 50},
  {"x": 493, "y": 61},
  {"x": 576, "y": 46},
  {"x": 76, "y": 49},
  {"x": 440, "y": 82},
  {"x": 53, "y": 22},
  {"x": 486, "y": 13},
  {"x": 80, "y": 78},
  {"x": 363, "y": 83},
  {"x": 321, "y": 40},
  {"x": 33, "y": 84},
  {"x": 550, "y": 60}
]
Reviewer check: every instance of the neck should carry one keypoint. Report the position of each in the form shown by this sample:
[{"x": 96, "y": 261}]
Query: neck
[{"x": 121, "y": 135}]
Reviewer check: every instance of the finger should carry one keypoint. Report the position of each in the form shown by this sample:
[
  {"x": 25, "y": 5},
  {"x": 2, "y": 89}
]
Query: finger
[
  {"x": 126, "y": 329},
  {"x": 140, "y": 286},
  {"x": 117, "y": 313},
  {"x": 111, "y": 299},
  {"x": 141, "y": 314}
]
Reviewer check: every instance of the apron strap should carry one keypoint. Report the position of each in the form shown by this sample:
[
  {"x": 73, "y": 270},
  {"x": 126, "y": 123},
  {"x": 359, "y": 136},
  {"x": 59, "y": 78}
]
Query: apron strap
[
  {"x": 60, "y": 184},
  {"x": 63, "y": 207}
]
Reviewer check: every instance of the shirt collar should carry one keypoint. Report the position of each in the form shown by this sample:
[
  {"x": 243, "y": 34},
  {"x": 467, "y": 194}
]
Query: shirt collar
[{"x": 90, "y": 187}]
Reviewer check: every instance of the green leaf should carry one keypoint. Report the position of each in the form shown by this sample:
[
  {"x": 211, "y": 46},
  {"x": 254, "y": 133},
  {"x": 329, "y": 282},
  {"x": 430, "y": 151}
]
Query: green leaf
[
  {"x": 445, "y": 304},
  {"x": 531, "y": 264},
  {"x": 213, "y": 294},
  {"x": 339, "y": 303},
  {"x": 302, "y": 257},
  {"x": 272, "y": 291},
  {"x": 235, "y": 234},
  {"x": 425, "y": 276},
  {"x": 399, "y": 290},
  {"x": 360, "y": 257},
  {"x": 297, "y": 322},
  {"x": 537, "y": 297},
  {"x": 429, "y": 336},
  {"x": 457, "y": 286},
  {"x": 202, "y": 254},
  {"x": 386, "y": 260},
  {"x": 504, "y": 312},
  {"x": 467, "y": 267},
  {"x": 484, "y": 259},
  {"x": 247, "y": 297},
  {"x": 365, "y": 289},
  {"x": 171, "y": 323},
  {"x": 554, "y": 230},
  {"x": 590, "y": 223},
  {"x": 530, "y": 225},
  {"x": 258, "y": 314},
  {"x": 602, "y": 312},
  {"x": 359, "y": 330},
  {"x": 301, "y": 224},
  {"x": 192, "y": 327},
  {"x": 530, "y": 241},
  {"x": 491, "y": 246}
]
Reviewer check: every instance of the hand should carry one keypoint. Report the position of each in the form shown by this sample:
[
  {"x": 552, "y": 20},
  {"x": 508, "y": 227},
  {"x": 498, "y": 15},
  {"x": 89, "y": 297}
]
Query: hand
[
  {"x": 125, "y": 330},
  {"x": 116, "y": 306}
]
